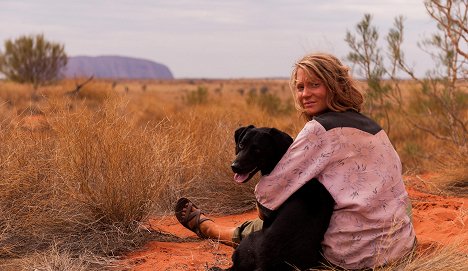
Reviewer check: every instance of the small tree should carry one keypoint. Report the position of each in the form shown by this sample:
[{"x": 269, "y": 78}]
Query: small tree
[
  {"x": 33, "y": 60},
  {"x": 442, "y": 98},
  {"x": 441, "y": 101},
  {"x": 366, "y": 55}
]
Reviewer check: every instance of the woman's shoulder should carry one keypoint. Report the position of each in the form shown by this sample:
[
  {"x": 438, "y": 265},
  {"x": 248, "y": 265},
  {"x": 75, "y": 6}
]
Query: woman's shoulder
[{"x": 352, "y": 119}]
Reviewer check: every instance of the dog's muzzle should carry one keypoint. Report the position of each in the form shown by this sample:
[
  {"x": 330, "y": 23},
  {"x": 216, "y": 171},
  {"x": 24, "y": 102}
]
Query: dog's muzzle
[{"x": 242, "y": 177}]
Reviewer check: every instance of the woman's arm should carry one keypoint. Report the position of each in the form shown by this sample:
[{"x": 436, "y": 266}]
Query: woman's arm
[{"x": 306, "y": 158}]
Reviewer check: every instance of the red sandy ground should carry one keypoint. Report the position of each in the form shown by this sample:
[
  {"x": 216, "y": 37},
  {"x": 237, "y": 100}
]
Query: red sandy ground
[{"x": 437, "y": 219}]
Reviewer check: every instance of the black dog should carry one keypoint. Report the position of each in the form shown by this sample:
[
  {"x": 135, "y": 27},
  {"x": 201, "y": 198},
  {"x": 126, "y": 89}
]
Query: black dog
[{"x": 291, "y": 237}]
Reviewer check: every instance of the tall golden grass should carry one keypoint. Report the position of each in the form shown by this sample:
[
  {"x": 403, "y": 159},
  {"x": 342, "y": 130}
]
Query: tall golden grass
[{"x": 79, "y": 174}]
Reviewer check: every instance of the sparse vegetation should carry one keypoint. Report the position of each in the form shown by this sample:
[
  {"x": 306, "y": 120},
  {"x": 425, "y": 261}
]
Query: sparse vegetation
[{"x": 86, "y": 184}]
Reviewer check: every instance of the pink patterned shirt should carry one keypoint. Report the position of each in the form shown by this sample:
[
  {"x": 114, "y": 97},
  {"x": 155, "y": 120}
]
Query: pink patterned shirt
[{"x": 354, "y": 159}]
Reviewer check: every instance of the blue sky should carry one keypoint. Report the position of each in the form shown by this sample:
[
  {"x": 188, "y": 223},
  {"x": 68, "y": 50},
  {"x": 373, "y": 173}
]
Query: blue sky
[{"x": 212, "y": 38}]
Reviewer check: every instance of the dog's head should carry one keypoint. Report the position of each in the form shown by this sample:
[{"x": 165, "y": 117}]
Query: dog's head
[{"x": 258, "y": 149}]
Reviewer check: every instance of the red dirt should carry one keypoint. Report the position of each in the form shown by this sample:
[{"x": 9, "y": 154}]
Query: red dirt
[{"x": 437, "y": 220}]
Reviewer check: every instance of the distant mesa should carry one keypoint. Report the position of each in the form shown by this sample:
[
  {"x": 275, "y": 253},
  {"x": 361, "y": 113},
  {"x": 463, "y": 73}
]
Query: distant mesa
[{"x": 115, "y": 67}]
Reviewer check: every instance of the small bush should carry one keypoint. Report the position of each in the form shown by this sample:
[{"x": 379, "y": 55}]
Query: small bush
[
  {"x": 199, "y": 96},
  {"x": 270, "y": 102}
]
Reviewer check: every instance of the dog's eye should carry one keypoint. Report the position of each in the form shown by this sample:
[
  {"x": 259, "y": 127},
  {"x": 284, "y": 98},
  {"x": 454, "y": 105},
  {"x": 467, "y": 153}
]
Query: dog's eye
[{"x": 240, "y": 146}]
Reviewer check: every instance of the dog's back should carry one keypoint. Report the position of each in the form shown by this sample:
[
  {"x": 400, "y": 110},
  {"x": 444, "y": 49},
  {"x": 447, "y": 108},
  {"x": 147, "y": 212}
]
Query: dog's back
[{"x": 292, "y": 238}]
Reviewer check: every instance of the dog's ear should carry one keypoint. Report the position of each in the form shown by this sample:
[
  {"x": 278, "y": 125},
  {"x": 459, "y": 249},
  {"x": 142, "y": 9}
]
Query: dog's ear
[
  {"x": 281, "y": 139},
  {"x": 240, "y": 132}
]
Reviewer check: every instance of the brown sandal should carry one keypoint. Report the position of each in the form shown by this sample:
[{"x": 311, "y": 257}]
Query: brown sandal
[{"x": 189, "y": 215}]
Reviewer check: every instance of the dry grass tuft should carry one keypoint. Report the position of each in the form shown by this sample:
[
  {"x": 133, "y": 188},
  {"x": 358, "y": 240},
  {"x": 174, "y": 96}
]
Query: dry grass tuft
[
  {"x": 437, "y": 258},
  {"x": 108, "y": 164},
  {"x": 434, "y": 258},
  {"x": 453, "y": 172},
  {"x": 55, "y": 259}
]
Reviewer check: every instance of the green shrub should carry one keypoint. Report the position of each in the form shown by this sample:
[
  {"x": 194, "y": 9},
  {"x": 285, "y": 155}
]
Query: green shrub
[
  {"x": 199, "y": 96},
  {"x": 270, "y": 103}
]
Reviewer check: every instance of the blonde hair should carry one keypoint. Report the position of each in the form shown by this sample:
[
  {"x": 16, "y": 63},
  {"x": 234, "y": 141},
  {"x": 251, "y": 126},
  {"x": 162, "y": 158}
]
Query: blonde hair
[{"x": 342, "y": 91}]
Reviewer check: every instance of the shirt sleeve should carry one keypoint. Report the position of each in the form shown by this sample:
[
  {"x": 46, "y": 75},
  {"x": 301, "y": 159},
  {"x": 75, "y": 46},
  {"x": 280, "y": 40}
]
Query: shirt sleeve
[{"x": 305, "y": 159}]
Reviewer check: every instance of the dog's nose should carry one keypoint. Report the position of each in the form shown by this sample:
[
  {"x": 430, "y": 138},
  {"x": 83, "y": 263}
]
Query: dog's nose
[{"x": 235, "y": 167}]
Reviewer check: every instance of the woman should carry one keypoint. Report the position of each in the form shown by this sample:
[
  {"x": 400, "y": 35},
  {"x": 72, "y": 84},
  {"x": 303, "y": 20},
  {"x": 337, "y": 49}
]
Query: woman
[{"x": 351, "y": 156}]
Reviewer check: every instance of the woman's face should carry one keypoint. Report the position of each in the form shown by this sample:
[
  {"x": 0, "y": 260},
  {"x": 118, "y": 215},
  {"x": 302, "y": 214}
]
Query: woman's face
[{"x": 311, "y": 93}]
